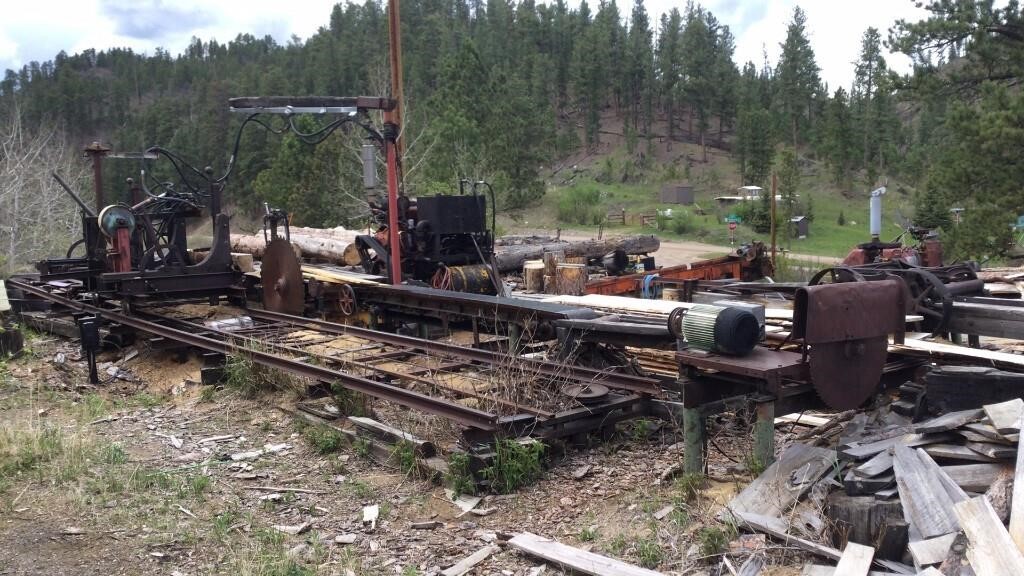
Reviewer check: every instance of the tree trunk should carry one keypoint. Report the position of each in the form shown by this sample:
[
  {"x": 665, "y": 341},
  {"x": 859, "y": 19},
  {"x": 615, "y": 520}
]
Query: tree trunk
[
  {"x": 325, "y": 248},
  {"x": 512, "y": 258}
]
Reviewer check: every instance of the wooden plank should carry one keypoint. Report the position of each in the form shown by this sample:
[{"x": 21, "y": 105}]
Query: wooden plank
[
  {"x": 986, "y": 429},
  {"x": 862, "y": 451},
  {"x": 972, "y": 436},
  {"x": 466, "y": 564},
  {"x": 776, "y": 528},
  {"x": 949, "y": 421},
  {"x": 926, "y": 505},
  {"x": 1005, "y": 416},
  {"x": 802, "y": 419},
  {"x": 956, "y": 493},
  {"x": 956, "y": 452},
  {"x": 931, "y": 551},
  {"x": 820, "y": 570},
  {"x": 423, "y": 448},
  {"x": 930, "y": 571},
  {"x": 975, "y": 477},
  {"x": 1017, "y": 501},
  {"x": 880, "y": 463},
  {"x": 993, "y": 450},
  {"x": 579, "y": 560},
  {"x": 777, "y": 488},
  {"x": 951, "y": 350},
  {"x": 992, "y": 551},
  {"x": 855, "y": 561}
]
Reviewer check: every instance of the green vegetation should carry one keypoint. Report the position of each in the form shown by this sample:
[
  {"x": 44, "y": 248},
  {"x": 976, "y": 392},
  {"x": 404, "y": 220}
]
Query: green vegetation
[
  {"x": 649, "y": 553},
  {"x": 514, "y": 465},
  {"x": 581, "y": 205},
  {"x": 459, "y": 476},
  {"x": 404, "y": 452},
  {"x": 323, "y": 439},
  {"x": 689, "y": 486},
  {"x": 588, "y": 534},
  {"x": 715, "y": 539},
  {"x": 251, "y": 379}
]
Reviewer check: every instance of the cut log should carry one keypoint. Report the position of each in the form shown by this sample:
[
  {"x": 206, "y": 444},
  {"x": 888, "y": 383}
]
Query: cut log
[
  {"x": 570, "y": 279},
  {"x": 511, "y": 258},
  {"x": 329, "y": 249},
  {"x": 533, "y": 276}
]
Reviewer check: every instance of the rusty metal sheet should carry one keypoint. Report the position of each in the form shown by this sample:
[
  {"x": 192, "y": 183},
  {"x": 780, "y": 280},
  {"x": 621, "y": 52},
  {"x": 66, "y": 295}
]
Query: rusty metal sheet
[{"x": 849, "y": 311}]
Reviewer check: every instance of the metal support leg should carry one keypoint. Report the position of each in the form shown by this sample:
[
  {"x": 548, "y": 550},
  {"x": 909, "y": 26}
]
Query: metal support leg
[
  {"x": 515, "y": 337},
  {"x": 764, "y": 433},
  {"x": 693, "y": 438},
  {"x": 476, "y": 333}
]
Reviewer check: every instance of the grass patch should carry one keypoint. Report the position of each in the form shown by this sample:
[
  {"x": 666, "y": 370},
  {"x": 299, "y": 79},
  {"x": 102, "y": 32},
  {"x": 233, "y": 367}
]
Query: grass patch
[
  {"x": 588, "y": 534},
  {"x": 649, "y": 553},
  {"x": 514, "y": 465},
  {"x": 688, "y": 486},
  {"x": 581, "y": 205},
  {"x": 618, "y": 545},
  {"x": 350, "y": 402},
  {"x": 49, "y": 453},
  {"x": 251, "y": 379},
  {"x": 92, "y": 407},
  {"x": 323, "y": 439},
  {"x": 714, "y": 540},
  {"x": 404, "y": 453},
  {"x": 460, "y": 476},
  {"x": 208, "y": 394}
]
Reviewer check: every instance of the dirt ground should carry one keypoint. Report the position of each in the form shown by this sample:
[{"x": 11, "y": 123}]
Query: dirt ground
[{"x": 136, "y": 476}]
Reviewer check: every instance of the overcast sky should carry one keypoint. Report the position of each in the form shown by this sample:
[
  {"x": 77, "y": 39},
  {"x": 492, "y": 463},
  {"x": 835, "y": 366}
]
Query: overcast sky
[{"x": 38, "y": 30}]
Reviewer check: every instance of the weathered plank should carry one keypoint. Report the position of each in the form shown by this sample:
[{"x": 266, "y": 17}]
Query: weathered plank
[
  {"x": 855, "y": 561},
  {"x": 579, "y": 560},
  {"x": 862, "y": 451},
  {"x": 992, "y": 551},
  {"x": 956, "y": 493},
  {"x": 956, "y": 452},
  {"x": 926, "y": 504},
  {"x": 752, "y": 567},
  {"x": 777, "y": 488},
  {"x": 975, "y": 477},
  {"x": 1005, "y": 416},
  {"x": 858, "y": 486},
  {"x": 931, "y": 551},
  {"x": 820, "y": 570},
  {"x": 466, "y": 564},
  {"x": 1017, "y": 502},
  {"x": 776, "y": 528},
  {"x": 930, "y": 571},
  {"x": 949, "y": 421},
  {"x": 985, "y": 429},
  {"x": 882, "y": 462},
  {"x": 993, "y": 450},
  {"x": 422, "y": 448}
]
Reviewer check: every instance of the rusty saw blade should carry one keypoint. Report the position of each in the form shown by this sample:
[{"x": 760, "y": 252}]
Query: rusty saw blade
[
  {"x": 845, "y": 374},
  {"x": 281, "y": 276}
]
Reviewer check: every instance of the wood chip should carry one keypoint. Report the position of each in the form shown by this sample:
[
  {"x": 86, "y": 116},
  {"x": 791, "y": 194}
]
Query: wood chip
[
  {"x": 345, "y": 538},
  {"x": 428, "y": 525},
  {"x": 293, "y": 530}
]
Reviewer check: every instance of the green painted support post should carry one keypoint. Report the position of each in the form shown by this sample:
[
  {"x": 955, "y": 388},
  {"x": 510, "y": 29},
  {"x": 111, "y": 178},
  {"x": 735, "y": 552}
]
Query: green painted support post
[
  {"x": 693, "y": 438},
  {"x": 764, "y": 433}
]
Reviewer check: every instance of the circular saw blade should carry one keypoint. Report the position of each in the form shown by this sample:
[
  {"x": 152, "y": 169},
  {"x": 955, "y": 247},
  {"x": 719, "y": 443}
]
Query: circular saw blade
[
  {"x": 281, "y": 276},
  {"x": 845, "y": 374}
]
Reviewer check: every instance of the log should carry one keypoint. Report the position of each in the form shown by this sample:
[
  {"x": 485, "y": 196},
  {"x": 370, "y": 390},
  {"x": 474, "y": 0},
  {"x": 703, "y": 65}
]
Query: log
[
  {"x": 511, "y": 258},
  {"x": 329, "y": 249},
  {"x": 533, "y": 276},
  {"x": 551, "y": 261},
  {"x": 570, "y": 279}
]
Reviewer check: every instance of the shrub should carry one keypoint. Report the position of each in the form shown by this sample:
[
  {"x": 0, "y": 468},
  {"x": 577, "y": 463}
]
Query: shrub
[
  {"x": 514, "y": 465},
  {"x": 581, "y": 205}
]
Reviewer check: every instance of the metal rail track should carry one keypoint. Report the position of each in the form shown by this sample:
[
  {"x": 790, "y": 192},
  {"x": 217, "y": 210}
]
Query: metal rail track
[{"x": 453, "y": 411}]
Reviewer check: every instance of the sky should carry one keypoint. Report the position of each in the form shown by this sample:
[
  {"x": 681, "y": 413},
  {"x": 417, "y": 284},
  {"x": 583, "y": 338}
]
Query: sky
[{"x": 38, "y": 31}]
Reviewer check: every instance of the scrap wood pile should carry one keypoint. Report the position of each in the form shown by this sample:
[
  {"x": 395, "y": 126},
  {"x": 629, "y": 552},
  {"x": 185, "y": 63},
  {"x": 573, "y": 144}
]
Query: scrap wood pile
[{"x": 895, "y": 497}]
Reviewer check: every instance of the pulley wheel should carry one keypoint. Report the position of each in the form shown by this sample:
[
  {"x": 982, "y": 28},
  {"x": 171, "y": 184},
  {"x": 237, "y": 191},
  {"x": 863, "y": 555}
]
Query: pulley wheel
[
  {"x": 115, "y": 216},
  {"x": 586, "y": 393},
  {"x": 347, "y": 300},
  {"x": 281, "y": 276},
  {"x": 846, "y": 374}
]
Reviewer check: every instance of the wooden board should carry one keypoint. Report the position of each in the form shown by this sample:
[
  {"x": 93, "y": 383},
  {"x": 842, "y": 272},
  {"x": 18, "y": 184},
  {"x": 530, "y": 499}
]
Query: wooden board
[
  {"x": 949, "y": 421},
  {"x": 956, "y": 452},
  {"x": 992, "y": 552},
  {"x": 803, "y": 419},
  {"x": 987, "y": 430},
  {"x": 975, "y": 477},
  {"x": 579, "y": 560},
  {"x": 951, "y": 350},
  {"x": 931, "y": 551},
  {"x": 993, "y": 450},
  {"x": 862, "y": 451},
  {"x": 773, "y": 492},
  {"x": 926, "y": 504},
  {"x": 855, "y": 561},
  {"x": 776, "y": 528},
  {"x": 879, "y": 464},
  {"x": 956, "y": 493},
  {"x": 1017, "y": 501},
  {"x": 820, "y": 570},
  {"x": 466, "y": 564},
  {"x": 1005, "y": 416}
]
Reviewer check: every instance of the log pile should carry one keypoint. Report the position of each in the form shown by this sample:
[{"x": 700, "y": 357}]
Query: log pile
[
  {"x": 925, "y": 498},
  {"x": 315, "y": 243},
  {"x": 510, "y": 258}
]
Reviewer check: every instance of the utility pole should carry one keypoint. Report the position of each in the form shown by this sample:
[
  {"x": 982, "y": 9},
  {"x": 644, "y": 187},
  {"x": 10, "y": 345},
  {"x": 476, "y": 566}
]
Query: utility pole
[
  {"x": 392, "y": 139},
  {"x": 774, "y": 188}
]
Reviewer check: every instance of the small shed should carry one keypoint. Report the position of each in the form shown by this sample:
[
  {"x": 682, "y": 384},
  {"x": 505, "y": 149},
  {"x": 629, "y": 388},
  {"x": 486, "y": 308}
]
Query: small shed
[
  {"x": 800, "y": 225},
  {"x": 677, "y": 194}
]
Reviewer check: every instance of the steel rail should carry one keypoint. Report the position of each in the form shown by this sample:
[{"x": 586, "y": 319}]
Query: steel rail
[
  {"x": 453, "y": 411},
  {"x": 611, "y": 379}
]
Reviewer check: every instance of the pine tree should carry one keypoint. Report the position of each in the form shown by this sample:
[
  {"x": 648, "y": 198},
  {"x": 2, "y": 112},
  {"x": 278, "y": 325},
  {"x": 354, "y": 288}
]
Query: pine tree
[{"x": 797, "y": 75}]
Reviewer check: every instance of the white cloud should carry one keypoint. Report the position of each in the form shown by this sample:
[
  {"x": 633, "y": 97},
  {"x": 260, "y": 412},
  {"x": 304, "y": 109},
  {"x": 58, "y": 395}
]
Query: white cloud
[{"x": 37, "y": 31}]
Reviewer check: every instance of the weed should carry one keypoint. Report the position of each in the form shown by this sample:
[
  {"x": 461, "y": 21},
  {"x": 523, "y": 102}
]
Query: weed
[
  {"x": 581, "y": 205},
  {"x": 459, "y": 476},
  {"x": 251, "y": 379},
  {"x": 689, "y": 486},
  {"x": 649, "y": 553},
  {"x": 514, "y": 464},
  {"x": 198, "y": 484},
  {"x": 113, "y": 454},
  {"x": 324, "y": 439},
  {"x": 640, "y": 430},
  {"x": 350, "y": 402},
  {"x": 208, "y": 394},
  {"x": 362, "y": 490},
  {"x": 48, "y": 451},
  {"x": 362, "y": 447},
  {"x": 147, "y": 400},
  {"x": 405, "y": 453},
  {"x": 714, "y": 539},
  {"x": 618, "y": 544},
  {"x": 679, "y": 516},
  {"x": 588, "y": 534},
  {"x": 754, "y": 464},
  {"x": 146, "y": 479},
  {"x": 410, "y": 571},
  {"x": 223, "y": 522},
  {"x": 92, "y": 407}
]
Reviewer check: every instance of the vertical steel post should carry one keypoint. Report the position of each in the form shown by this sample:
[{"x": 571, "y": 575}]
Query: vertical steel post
[{"x": 96, "y": 152}]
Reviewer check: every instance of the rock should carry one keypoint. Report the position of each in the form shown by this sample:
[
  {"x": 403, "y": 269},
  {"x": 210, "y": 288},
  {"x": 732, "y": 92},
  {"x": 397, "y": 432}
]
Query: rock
[{"x": 345, "y": 539}]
